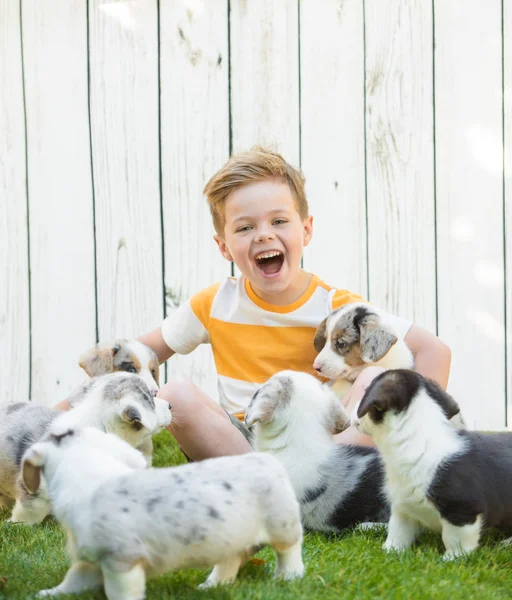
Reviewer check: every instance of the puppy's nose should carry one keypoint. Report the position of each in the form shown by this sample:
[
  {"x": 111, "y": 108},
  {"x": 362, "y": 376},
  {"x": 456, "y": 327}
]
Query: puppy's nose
[
  {"x": 170, "y": 407},
  {"x": 317, "y": 367}
]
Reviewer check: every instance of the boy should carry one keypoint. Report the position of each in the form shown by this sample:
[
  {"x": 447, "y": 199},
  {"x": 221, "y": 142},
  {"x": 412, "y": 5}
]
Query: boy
[{"x": 264, "y": 321}]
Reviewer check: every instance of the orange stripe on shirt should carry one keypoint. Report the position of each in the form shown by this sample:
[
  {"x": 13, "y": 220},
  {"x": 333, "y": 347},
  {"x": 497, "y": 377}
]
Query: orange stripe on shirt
[{"x": 255, "y": 352}]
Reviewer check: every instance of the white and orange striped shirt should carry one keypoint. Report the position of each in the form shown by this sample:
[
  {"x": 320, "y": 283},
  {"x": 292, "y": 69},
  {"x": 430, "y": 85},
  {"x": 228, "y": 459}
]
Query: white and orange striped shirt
[{"x": 250, "y": 338}]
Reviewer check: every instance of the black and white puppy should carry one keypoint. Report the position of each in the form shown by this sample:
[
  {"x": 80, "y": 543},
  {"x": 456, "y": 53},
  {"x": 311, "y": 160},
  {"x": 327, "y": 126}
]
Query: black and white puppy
[
  {"x": 354, "y": 337},
  {"x": 456, "y": 482},
  {"x": 293, "y": 417}
]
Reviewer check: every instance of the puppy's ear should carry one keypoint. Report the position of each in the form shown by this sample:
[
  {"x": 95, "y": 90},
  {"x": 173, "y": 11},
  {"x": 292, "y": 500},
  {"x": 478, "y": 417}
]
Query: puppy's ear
[
  {"x": 31, "y": 470},
  {"x": 338, "y": 418},
  {"x": 132, "y": 416},
  {"x": 261, "y": 408},
  {"x": 449, "y": 406},
  {"x": 99, "y": 361},
  {"x": 376, "y": 340},
  {"x": 320, "y": 336}
]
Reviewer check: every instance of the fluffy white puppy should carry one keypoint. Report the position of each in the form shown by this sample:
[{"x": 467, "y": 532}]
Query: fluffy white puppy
[
  {"x": 436, "y": 477},
  {"x": 123, "y": 524},
  {"x": 119, "y": 403},
  {"x": 294, "y": 417}
]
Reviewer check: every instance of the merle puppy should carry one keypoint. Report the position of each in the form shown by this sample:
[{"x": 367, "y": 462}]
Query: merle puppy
[
  {"x": 455, "y": 482},
  {"x": 293, "y": 417}
]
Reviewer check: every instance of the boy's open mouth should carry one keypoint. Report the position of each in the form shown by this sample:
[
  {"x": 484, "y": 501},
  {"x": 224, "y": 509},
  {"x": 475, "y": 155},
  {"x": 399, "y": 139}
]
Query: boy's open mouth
[{"x": 269, "y": 262}]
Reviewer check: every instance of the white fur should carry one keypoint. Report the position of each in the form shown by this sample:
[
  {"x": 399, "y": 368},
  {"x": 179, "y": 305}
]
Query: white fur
[
  {"x": 235, "y": 504},
  {"x": 299, "y": 432},
  {"x": 92, "y": 410},
  {"x": 333, "y": 365},
  {"x": 413, "y": 443}
]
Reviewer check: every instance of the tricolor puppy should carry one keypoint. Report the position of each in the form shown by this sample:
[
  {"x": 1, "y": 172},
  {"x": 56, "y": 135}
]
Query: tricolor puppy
[
  {"x": 124, "y": 523},
  {"x": 130, "y": 356},
  {"x": 438, "y": 478},
  {"x": 294, "y": 417},
  {"x": 354, "y": 337},
  {"x": 120, "y": 403}
]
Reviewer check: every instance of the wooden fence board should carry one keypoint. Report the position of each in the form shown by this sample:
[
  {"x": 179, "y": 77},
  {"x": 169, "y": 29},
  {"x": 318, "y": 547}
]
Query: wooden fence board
[
  {"x": 507, "y": 114},
  {"x": 468, "y": 104},
  {"x": 124, "y": 118},
  {"x": 332, "y": 139},
  {"x": 399, "y": 138},
  {"x": 195, "y": 143},
  {"x": 60, "y": 195},
  {"x": 14, "y": 273},
  {"x": 265, "y": 76}
]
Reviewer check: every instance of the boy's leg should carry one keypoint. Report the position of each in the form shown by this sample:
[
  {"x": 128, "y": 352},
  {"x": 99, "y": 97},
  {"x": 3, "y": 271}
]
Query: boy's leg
[
  {"x": 201, "y": 427},
  {"x": 350, "y": 401}
]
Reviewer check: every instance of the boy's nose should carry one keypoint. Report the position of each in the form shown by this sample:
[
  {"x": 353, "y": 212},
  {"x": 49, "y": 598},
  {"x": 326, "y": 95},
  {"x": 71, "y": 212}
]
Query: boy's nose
[{"x": 264, "y": 236}]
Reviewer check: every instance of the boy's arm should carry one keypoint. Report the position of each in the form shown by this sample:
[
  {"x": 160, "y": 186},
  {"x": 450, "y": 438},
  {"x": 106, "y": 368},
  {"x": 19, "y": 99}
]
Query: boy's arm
[
  {"x": 432, "y": 357},
  {"x": 155, "y": 340}
]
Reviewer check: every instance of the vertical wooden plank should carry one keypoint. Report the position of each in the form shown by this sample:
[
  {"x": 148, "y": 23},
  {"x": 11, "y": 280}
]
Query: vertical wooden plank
[
  {"x": 124, "y": 118},
  {"x": 507, "y": 115},
  {"x": 265, "y": 76},
  {"x": 469, "y": 162},
  {"x": 399, "y": 137},
  {"x": 332, "y": 139},
  {"x": 60, "y": 194},
  {"x": 195, "y": 143},
  {"x": 14, "y": 274}
]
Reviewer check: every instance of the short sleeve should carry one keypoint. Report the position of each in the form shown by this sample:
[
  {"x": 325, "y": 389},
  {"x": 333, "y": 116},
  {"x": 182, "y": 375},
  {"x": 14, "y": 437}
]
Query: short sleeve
[
  {"x": 401, "y": 325},
  {"x": 342, "y": 297},
  {"x": 186, "y": 327}
]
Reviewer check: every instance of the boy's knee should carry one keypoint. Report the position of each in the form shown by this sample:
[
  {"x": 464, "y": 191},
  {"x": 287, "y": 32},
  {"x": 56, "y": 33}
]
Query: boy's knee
[
  {"x": 188, "y": 403},
  {"x": 178, "y": 392}
]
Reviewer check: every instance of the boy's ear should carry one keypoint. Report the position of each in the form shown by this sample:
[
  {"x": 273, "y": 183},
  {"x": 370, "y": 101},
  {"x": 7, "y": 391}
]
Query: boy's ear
[
  {"x": 308, "y": 230},
  {"x": 223, "y": 248}
]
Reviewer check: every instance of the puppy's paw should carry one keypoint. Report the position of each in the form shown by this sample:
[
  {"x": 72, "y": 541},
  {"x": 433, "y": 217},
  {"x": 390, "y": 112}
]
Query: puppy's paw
[
  {"x": 50, "y": 592},
  {"x": 393, "y": 546}
]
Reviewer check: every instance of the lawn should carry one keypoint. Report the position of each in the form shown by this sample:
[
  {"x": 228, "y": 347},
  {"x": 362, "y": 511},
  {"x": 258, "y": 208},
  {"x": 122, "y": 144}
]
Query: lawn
[{"x": 346, "y": 566}]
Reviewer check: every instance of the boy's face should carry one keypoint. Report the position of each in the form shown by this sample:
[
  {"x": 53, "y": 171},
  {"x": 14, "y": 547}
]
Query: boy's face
[{"x": 264, "y": 235}]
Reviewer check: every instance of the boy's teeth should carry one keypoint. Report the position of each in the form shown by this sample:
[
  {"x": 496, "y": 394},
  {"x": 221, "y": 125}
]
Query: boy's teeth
[{"x": 268, "y": 255}]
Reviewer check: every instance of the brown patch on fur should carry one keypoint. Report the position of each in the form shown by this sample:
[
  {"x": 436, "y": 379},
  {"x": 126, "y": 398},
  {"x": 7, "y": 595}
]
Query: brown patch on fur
[
  {"x": 353, "y": 356},
  {"x": 97, "y": 361},
  {"x": 320, "y": 336},
  {"x": 31, "y": 477},
  {"x": 154, "y": 366}
]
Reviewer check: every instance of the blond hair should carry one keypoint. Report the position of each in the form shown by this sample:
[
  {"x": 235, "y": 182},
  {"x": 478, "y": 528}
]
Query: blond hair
[{"x": 258, "y": 164}]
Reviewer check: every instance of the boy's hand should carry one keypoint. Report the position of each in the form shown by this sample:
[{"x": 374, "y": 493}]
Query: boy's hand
[{"x": 432, "y": 357}]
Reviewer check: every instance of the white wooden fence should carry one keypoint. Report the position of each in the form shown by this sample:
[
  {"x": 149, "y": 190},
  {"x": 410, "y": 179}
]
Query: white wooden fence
[{"x": 113, "y": 114}]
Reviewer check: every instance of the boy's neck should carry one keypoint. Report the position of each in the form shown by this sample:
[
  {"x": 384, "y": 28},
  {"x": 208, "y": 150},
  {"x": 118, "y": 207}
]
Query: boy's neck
[{"x": 292, "y": 293}]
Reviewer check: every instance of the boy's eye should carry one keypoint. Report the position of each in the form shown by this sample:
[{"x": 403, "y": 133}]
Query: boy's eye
[
  {"x": 244, "y": 228},
  {"x": 279, "y": 221}
]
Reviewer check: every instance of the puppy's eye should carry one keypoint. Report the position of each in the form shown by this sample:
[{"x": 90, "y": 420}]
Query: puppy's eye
[
  {"x": 131, "y": 369},
  {"x": 340, "y": 344},
  {"x": 378, "y": 408}
]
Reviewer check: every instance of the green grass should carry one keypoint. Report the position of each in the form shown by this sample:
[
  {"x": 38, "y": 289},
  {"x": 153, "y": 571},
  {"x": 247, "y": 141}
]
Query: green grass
[{"x": 345, "y": 566}]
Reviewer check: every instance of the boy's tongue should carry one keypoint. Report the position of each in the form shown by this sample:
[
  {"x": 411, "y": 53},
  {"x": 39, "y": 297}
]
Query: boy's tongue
[{"x": 269, "y": 266}]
